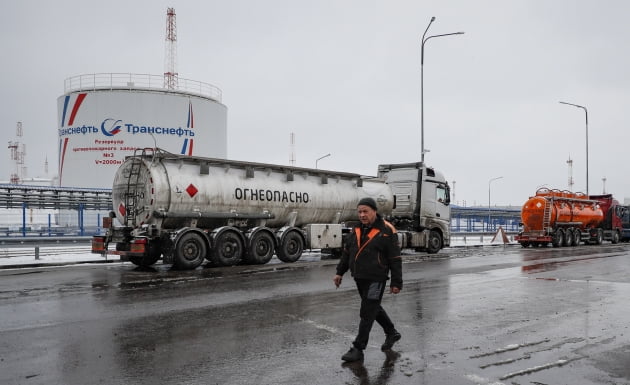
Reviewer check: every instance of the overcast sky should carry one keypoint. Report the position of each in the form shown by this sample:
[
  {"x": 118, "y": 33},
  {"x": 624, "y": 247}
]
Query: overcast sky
[{"x": 344, "y": 76}]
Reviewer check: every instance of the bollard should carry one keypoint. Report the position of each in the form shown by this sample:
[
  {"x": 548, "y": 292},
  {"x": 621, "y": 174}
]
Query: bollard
[{"x": 36, "y": 252}]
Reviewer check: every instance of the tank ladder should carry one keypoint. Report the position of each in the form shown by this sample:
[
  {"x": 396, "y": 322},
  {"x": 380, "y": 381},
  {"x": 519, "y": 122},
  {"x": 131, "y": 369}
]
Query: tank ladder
[
  {"x": 547, "y": 215},
  {"x": 131, "y": 194}
]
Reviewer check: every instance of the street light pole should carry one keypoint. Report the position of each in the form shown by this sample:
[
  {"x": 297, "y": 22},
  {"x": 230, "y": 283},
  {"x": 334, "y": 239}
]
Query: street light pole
[
  {"x": 586, "y": 115},
  {"x": 320, "y": 158},
  {"x": 424, "y": 40},
  {"x": 489, "y": 209}
]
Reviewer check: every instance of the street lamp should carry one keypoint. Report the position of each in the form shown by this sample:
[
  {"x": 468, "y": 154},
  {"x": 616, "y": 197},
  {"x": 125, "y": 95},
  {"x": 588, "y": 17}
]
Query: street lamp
[
  {"x": 586, "y": 115},
  {"x": 320, "y": 158},
  {"x": 424, "y": 40},
  {"x": 490, "y": 181}
]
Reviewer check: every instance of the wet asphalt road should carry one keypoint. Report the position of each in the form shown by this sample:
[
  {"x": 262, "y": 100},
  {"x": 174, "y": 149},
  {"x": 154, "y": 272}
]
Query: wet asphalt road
[{"x": 489, "y": 315}]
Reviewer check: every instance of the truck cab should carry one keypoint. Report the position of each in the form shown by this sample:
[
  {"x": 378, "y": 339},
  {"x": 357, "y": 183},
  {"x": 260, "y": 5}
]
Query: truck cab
[
  {"x": 421, "y": 204},
  {"x": 625, "y": 223}
]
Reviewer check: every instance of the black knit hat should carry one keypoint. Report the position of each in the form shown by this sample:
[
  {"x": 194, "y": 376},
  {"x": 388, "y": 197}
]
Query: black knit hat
[{"x": 368, "y": 202}]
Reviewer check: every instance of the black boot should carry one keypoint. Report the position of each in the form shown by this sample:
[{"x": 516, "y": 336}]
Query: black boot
[
  {"x": 352, "y": 355},
  {"x": 390, "y": 340}
]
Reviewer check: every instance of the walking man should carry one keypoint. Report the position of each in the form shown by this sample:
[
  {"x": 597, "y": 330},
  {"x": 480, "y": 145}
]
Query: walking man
[{"x": 371, "y": 252}]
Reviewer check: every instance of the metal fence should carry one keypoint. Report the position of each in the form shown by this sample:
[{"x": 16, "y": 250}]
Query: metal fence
[
  {"x": 484, "y": 219},
  {"x": 52, "y": 211},
  {"x": 129, "y": 81}
]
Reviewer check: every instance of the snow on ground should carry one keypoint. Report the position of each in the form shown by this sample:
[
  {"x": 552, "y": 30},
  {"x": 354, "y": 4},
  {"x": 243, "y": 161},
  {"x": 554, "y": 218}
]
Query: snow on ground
[{"x": 48, "y": 255}]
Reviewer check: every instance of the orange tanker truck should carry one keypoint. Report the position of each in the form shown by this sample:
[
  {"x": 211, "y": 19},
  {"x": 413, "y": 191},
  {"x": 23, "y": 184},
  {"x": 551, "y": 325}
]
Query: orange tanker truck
[{"x": 564, "y": 218}]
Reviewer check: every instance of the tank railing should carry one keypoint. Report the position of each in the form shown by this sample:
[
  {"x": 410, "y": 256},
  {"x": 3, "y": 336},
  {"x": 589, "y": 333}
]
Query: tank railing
[
  {"x": 129, "y": 81},
  {"x": 556, "y": 193}
]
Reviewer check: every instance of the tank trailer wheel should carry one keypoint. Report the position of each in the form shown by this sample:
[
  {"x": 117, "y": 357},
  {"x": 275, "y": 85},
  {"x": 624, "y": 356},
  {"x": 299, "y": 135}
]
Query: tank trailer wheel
[
  {"x": 569, "y": 237},
  {"x": 291, "y": 247},
  {"x": 525, "y": 244},
  {"x": 190, "y": 251},
  {"x": 435, "y": 242},
  {"x": 577, "y": 237},
  {"x": 261, "y": 248},
  {"x": 557, "y": 238},
  {"x": 566, "y": 239},
  {"x": 228, "y": 250}
]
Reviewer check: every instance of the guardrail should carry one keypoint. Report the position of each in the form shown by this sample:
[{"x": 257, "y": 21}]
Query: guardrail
[
  {"x": 480, "y": 238},
  {"x": 46, "y": 232},
  {"x": 37, "y": 240},
  {"x": 129, "y": 81}
]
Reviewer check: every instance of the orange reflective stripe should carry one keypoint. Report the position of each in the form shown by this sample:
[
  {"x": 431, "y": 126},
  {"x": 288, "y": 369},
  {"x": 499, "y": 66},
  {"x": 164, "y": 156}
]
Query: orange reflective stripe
[
  {"x": 371, "y": 235},
  {"x": 391, "y": 227}
]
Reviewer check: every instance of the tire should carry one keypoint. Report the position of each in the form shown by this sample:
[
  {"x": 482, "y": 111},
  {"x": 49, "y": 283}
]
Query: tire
[
  {"x": 615, "y": 237},
  {"x": 600, "y": 237},
  {"x": 569, "y": 237},
  {"x": 435, "y": 242},
  {"x": 566, "y": 238},
  {"x": 261, "y": 248},
  {"x": 190, "y": 251},
  {"x": 577, "y": 237},
  {"x": 228, "y": 248},
  {"x": 557, "y": 238},
  {"x": 290, "y": 248},
  {"x": 525, "y": 244}
]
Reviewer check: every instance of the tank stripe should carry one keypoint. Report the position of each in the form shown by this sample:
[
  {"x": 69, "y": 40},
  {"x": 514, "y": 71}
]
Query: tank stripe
[
  {"x": 65, "y": 109},
  {"x": 63, "y": 157},
  {"x": 75, "y": 108}
]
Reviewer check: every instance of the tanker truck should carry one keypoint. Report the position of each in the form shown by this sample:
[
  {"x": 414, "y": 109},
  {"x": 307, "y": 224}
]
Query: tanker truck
[
  {"x": 187, "y": 209},
  {"x": 564, "y": 218}
]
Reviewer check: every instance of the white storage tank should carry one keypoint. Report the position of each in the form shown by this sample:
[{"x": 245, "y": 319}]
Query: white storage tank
[{"x": 103, "y": 118}]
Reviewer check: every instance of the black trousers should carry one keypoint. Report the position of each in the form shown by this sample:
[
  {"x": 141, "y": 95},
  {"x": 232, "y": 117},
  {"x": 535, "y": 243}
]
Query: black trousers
[{"x": 371, "y": 293}]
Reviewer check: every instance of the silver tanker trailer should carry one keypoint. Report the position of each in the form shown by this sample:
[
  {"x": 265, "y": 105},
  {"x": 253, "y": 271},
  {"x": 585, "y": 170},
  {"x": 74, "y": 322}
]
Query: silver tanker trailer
[{"x": 187, "y": 209}]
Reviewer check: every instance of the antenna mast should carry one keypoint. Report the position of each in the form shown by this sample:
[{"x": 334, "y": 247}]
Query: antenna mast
[
  {"x": 170, "y": 67},
  {"x": 18, "y": 153}
]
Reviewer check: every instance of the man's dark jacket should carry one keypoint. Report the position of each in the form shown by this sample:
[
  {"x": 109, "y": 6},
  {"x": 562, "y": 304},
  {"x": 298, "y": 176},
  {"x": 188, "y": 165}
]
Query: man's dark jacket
[{"x": 373, "y": 258}]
